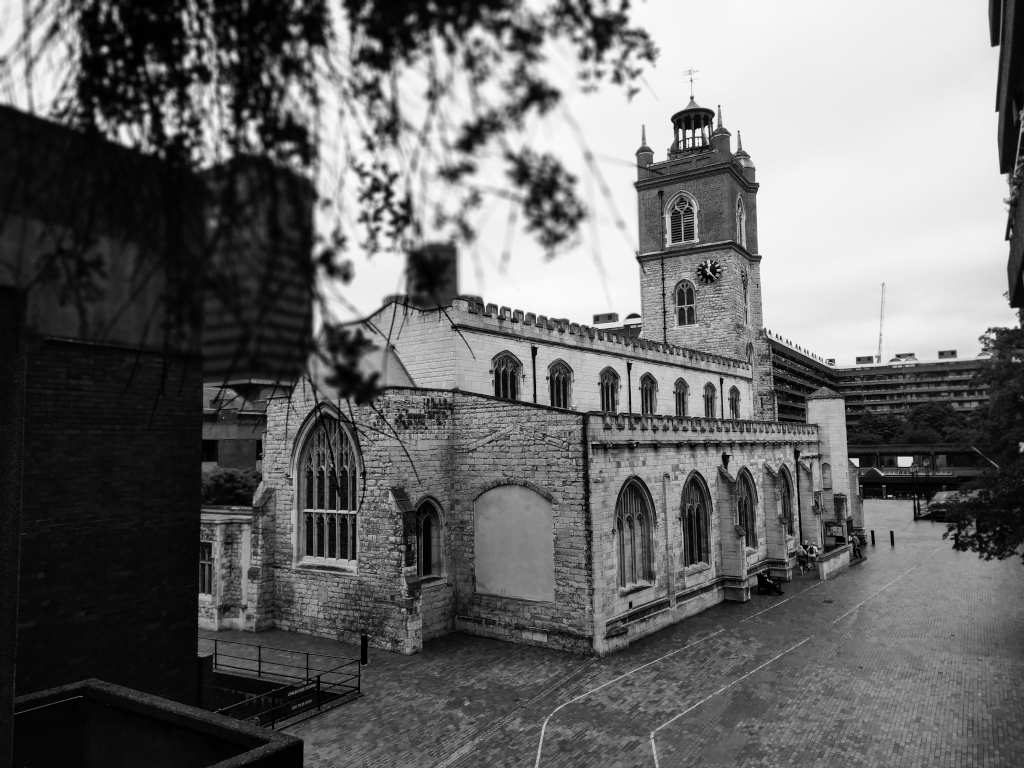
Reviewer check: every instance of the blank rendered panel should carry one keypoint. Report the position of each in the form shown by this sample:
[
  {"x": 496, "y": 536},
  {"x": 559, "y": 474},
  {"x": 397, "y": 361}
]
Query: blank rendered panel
[{"x": 514, "y": 544}]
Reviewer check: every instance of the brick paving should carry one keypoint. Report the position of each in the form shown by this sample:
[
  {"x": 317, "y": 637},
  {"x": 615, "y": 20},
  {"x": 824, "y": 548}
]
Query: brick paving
[{"x": 913, "y": 658}]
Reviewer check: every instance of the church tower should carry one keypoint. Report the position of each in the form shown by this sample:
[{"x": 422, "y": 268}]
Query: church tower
[{"x": 700, "y": 276}]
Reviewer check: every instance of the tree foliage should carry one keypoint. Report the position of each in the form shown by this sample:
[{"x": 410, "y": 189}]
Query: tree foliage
[{"x": 989, "y": 518}]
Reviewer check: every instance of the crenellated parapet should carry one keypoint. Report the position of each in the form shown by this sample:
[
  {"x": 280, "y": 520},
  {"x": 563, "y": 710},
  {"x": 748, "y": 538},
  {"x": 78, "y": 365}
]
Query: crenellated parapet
[
  {"x": 628, "y": 428},
  {"x": 466, "y": 312}
]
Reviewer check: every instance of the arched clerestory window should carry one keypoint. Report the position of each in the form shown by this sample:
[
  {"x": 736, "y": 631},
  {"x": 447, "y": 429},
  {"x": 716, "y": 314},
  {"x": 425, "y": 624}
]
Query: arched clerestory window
[
  {"x": 648, "y": 394},
  {"x": 506, "y": 369},
  {"x": 609, "y": 384},
  {"x": 429, "y": 550},
  {"x": 682, "y": 393},
  {"x": 746, "y": 507},
  {"x": 328, "y": 494},
  {"x": 695, "y": 521},
  {"x": 734, "y": 403},
  {"x": 681, "y": 220},
  {"x": 686, "y": 305},
  {"x": 634, "y": 523},
  {"x": 786, "y": 501},
  {"x": 560, "y": 384},
  {"x": 709, "y": 401},
  {"x": 741, "y": 222}
]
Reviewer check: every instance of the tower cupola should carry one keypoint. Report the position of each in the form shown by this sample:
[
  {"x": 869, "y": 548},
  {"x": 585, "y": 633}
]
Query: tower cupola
[{"x": 692, "y": 128}]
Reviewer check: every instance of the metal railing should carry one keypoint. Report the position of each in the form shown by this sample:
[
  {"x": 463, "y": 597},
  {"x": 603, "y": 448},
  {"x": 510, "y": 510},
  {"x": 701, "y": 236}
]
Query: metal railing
[{"x": 308, "y": 680}]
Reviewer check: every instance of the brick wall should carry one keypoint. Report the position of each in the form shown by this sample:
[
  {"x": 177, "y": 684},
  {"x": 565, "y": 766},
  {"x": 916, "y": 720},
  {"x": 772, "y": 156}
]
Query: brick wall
[{"x": 109, "y": 526}]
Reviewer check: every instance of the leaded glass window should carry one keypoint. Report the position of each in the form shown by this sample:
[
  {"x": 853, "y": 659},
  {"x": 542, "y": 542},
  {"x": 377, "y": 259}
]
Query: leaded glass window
[
  {"x": 329, "y": 493},
  {"x": 695, "y": 521}
]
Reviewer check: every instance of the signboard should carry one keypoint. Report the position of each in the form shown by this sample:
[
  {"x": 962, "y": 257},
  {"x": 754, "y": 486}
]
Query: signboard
[{"x": 835, "y": 530}]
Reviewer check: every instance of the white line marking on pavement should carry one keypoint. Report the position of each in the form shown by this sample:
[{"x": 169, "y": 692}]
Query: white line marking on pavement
[
  {"x": 776, "y": 605},
  {"x": 723, "y": 689},
  {"x": 544, "y": 727}
]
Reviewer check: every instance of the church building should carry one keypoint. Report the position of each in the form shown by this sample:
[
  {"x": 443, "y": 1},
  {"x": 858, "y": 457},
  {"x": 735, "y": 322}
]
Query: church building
[{"x": 538, "y": 480}]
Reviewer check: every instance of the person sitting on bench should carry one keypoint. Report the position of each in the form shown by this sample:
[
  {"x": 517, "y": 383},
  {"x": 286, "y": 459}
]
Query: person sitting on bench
[{"x": 766, "y": 583}]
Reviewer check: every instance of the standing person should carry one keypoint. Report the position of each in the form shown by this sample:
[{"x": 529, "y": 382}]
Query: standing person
[
  {"x": 802, "y": 558},
  {"x": 812, "y": 551}
]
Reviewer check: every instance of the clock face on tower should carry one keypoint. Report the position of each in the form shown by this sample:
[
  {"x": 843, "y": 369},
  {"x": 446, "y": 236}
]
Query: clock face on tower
[{"x": 709, "y": 271}]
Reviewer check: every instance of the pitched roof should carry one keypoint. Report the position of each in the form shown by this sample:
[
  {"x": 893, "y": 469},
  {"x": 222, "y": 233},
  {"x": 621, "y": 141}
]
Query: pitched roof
[{"x": 824, "y": 394}]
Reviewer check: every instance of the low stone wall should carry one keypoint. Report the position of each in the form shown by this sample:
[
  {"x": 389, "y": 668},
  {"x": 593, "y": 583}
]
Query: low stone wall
[{"x": 833, "y": 563}]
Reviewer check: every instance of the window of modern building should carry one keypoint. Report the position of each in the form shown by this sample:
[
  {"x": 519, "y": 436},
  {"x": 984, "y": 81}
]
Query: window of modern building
[
  {"x": 682, "y": 393},
  {"x": 205, "y": 568},
  {"x": 695, "y": 516},
  {"x": 681, "y": 220},
  {"x": 746, "y": 507},
  {"x": 734, "y": 403},
  {"x": 648, "y": 394},
  {"x": 328, "y": 494},
  {"x": 786, "y": 501},
  {"x": 609, "y": 383},
  {"x": 209, "y": 450},
  {"x": 686, "y": 306},
  {"x": 506, "y": 369},
  {"x": 560, "y": 384},
  {"x": 430, "y": 558},
  {"x": 741, "y": 222},
  {"x": 709, "y": 401},
  {"x": 826, "y": 476},
  {"x": 634, "y": 520}
]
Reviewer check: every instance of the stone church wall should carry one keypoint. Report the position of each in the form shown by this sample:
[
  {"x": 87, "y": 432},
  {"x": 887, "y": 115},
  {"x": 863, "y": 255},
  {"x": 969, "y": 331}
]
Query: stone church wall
[{"x": 662, "y": 453}]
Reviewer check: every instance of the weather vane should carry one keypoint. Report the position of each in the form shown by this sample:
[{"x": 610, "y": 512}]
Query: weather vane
[{"x": 690, "y": 73}]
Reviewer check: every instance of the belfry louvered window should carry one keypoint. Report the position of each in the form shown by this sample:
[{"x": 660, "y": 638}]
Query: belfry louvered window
[
  {"x": 648, "y": 394},
  {"x": 695, "y": 516},
  {"x": 329, "y": 494},
  {"x": 682, "y": 393},
  {"x": 559, "y": 382},
  {"x": 746, "y": 507},
  {"x": 507, "y": 370},
  {"x": 709, "y": 401},
  {"x": 682, "y": 221},
  {"x": 686, "y": 306},
  {"x": 634, "y": 520},
  {"x": 609, "y": 384}
]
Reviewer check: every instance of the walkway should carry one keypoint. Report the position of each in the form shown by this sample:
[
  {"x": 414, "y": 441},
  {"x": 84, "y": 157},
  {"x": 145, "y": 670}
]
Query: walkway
[{"x": 913, "y": 658}]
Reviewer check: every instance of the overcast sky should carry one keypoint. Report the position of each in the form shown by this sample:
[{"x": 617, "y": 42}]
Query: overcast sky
[{"x": 873, "y": 130}]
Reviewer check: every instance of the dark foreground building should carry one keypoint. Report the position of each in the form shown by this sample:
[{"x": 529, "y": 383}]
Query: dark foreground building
[{"x": 101, "y": 269}]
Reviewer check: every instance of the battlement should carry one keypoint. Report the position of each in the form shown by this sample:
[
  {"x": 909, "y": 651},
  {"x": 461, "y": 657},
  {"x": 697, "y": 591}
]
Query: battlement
[
  {"x": 633, "y": 427},
  {"x": 472, "y": 313}
]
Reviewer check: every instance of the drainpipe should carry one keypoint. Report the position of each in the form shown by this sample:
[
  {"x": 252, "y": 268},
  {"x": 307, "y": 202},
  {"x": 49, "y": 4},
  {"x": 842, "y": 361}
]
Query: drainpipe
[
  {"x": 588, "y": 523},
  {"x": 533, "y": 362},
  {"x": 670, "y": 581},
  {"x": 664, "y": 317},
  {"x": 799, "y": 515},
  {"x": 721, "y": 395},
  {"x": 629, "y": 386}
]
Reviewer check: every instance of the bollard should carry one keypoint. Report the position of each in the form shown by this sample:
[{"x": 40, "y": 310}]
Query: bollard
[
  {"x": 892, "y": 539},
  {"x": 364, "y": 650},
  {"x": 872, "y": 537}
]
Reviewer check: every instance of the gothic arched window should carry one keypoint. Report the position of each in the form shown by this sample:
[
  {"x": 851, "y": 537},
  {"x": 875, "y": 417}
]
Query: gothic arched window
[
  {"x": 609, "y": 383},
  {"x": 681, "y": 220},
  {"x": 734, "y": 403},
  {"x": 506, "y": 369},
  {"x": 786, "y": 501},
  {"x": 648, "y": 394},
  {"x": 430, "y": 558},
  {"x": 682, "y": 393},
  {"x": 634, "y": 521},
  {"x": 560, "y": 384},
  {"x": 695, "y": 516},
  {"x": 746, "y": 507},
  {"x": 328, "y": 493},
  {"x": 741, "y": 222},
  {"x": 709, "y": 401},
  {"x": 686, "y": 305}
]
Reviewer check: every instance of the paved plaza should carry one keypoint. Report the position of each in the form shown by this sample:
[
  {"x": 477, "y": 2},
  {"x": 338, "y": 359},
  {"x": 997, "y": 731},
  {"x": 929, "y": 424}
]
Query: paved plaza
[{"x": 912, "y": 658}]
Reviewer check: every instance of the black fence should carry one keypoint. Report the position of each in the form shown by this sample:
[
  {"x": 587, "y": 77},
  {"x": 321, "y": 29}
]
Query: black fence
[{"x": 291, "y": 684}]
